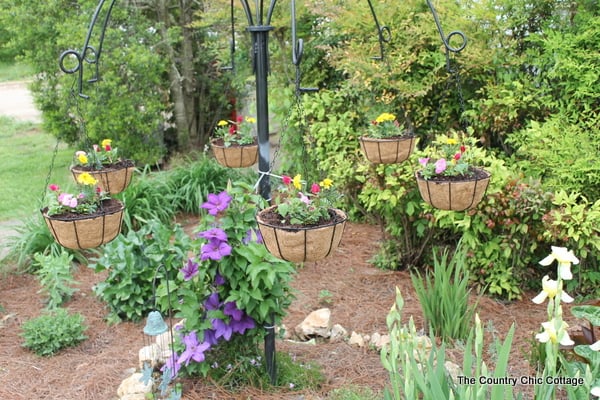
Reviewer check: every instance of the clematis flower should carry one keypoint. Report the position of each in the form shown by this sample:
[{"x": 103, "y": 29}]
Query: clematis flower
[
  {"x": 222, "y": 329},
  {"x": 172, "y": 365},
  {"x": 231, "y": 310},
  {"x": 190, "y": 270},
  {"x": 550, "y": 333},
  {"x": 440, "y": 165},
  {"x": 217, "y": 202},
  {"x": 212, "y": 302},
  {"x": 193, "y": 349},
  {"x": 246, "y": 322},
  {"x": 215, "y": 250},
  {"x": 252, "y": 235},
  {"x": 549, "y": 290},
  {"x": 219, "y": 280},
  {"x": 214, "y": 234},
  {"x": 564, "y": 258}
]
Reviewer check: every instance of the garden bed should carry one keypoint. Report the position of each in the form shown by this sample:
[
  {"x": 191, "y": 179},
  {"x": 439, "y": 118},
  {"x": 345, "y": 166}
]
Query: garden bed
[{"x": 358, "y": 295}]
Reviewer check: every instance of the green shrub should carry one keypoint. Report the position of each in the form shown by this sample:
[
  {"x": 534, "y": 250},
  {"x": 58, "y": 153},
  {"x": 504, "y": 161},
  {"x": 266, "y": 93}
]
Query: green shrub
[
  {"x": 54, "y": 274},
  {"x": 132, "y": 261},
  {"x": 47, "y": 334}
]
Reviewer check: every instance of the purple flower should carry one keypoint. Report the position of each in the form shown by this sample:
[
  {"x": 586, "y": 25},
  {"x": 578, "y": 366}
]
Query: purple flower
[
  {"x": 231, "y": 310},
  {"x": 222, "y": 329},
  {"x": 172, "y": 364},
  {"x": 210, "y": 337},
  {"x": 246, "y": 322},
  {"x": 252, "y": 235},
  {"x": 214, "y": 234},
  {"x": 215, "y": 250},
  {"x": 219, "y": 280},
  {"x": 217, "y": 203},
  {"x": 212, "y": 302},
  {"x": 193, "y": 349},
  {"x": 190, "y": 270},
  {"x": 440, "y": 165}
]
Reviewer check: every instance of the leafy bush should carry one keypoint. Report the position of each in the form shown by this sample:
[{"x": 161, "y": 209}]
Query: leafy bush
[
  {"x": 54, "y": 274},
  {"x": 132, "y": 261},
  {"x": 47, "y": 334}
]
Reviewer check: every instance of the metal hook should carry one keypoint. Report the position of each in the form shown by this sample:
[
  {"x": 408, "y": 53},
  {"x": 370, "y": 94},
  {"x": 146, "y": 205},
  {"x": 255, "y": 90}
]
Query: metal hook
[
  {"x": 446, "y": 39},
  {"x": 384, "y": 34},
  {"x": 297, "y": 52},
  {"x": 231, "y": 65},
  {"x": 87, "y": 50}
]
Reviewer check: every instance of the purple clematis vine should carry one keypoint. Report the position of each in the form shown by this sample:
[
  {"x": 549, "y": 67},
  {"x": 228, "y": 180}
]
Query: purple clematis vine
[
  {"x": 214, "y": 250},
  {"x": 189, "y": 270},
  {"x": 193, "y": 349},
  {"x": 216, "y": 203}
]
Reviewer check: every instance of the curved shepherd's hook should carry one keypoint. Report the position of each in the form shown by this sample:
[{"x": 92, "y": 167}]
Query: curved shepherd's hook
[
  {"x": 446, "y": 39},
  {"x": 297, "y": 51},
  {"x": 88, "y": 50},
  {"x": 384, "y": 34}
]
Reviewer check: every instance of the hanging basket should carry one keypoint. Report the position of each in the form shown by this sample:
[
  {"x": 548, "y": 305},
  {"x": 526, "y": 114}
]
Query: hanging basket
[
  {"x": 302, "y": 244},
  {"x": 456, "y": 195},
  {"x": 234, "y": 156},
  {"x": 387, "y": 151},
  {"x": 113, "y": 178},
  {"x": 78, "y": 231}
]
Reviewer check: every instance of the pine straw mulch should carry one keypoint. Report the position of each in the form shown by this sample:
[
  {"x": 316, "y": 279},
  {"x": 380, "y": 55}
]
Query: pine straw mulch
[{"x": 361, "y": 297}]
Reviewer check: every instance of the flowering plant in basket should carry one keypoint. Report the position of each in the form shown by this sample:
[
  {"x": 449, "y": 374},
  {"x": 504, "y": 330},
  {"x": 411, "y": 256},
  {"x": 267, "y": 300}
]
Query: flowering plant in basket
[
  {"x": 98, "y": 156},
  {"x": 385, "y": 126},
  {"x": 240, "y": 132},
  {"x": 302, "y": 205},
  {"x": 85, "y": 200},
  {"x": 450, "y": 158}
]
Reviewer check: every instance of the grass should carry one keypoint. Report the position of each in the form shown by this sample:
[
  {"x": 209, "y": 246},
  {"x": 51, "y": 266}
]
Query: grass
[
  {"x": 26, "y": 154},
  {"x": 14, "y": 72}
]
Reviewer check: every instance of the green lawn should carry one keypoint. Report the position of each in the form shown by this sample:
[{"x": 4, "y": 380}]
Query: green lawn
[
  {"x": 26, "y": 154},
  {"x": 14, "y": 72}
]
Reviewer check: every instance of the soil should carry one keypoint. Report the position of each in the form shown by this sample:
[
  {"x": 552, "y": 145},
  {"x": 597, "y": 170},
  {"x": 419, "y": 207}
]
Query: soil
[{"x": 358, "y": 295}]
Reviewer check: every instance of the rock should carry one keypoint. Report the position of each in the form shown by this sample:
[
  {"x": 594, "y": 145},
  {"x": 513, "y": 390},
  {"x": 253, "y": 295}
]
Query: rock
[
  {"x": 356, "y": 339},
  {"x": 283, "y": 332},
  {"x": 454, "y": 370},
  {"x": 337, "y": 333},
  {"x": 317, "y": 323},
  {"x": 149, "y": 354},
  {"x": 422, "y": 348},
  {"x": 378, "y": 340},
  {"x": 133, "y": 389}
]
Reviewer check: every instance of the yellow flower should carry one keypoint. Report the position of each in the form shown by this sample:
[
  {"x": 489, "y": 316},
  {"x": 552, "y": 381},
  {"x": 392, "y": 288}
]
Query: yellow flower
[
  {"x": 82, "y": 158},
  {"x": 86, "y": 179},
  {"x": 250, "y": 120},
  {"x": 550, "y": 290},
  {"x": 451, "y": 141},
  {"x": 106, "y": 142},
  {"x": 326, "y": 183},
  {"x": 297, "y": 181},
  {"x": 222, "y": 123},
  {"x": 385, "y": 117}
]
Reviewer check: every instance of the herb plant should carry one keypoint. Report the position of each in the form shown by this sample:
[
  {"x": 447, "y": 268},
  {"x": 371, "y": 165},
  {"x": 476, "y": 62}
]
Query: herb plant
[
  {"x": 53, "y": 331},
  {"x": 54, "y": 274}
]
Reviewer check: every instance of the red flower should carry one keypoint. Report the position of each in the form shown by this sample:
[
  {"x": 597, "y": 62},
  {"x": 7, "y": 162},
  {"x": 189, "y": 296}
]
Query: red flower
[
  {"x": 231, "y": 129},
  {"x": 315, "y": 188},
  {"x": 107, "y": 147},
  {"x": 457, "y": 156},
  {"x": 53, "y": 187},
  {"x": 463, "y": 149},
  {"x": 240, "y": 119},
  {"x": 286, "y": 179}
]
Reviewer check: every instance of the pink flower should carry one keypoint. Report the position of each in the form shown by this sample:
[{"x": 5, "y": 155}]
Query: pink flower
[
  {"x": 440, "y": 165},
  {"x": 53, "y": 187},
  {"x": 463, "y": 149},
  {"x": 67, "y": 199},
  {"x": 286, "y": 179},
  {"x": 304, "y": 198},
  {"x": 315, "y": 188},
  {"x": 423, "y": 161},
  {"x": 96, "y": 147},
  {"x": 457, "y": 156}
]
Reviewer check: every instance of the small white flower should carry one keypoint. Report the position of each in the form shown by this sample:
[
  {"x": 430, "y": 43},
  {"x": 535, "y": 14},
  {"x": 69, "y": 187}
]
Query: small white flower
[
  {"x": 596, "y": 346},
  {"x": 595, "y": 391},
  {"x": 564, "y": 258}
]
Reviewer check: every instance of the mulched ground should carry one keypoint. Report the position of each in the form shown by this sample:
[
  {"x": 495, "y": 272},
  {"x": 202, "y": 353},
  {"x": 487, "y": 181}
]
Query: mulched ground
[{"x": 361, "y": 297}]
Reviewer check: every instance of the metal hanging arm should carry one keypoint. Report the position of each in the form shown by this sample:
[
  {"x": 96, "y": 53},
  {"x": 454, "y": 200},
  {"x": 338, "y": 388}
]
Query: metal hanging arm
[
  {"x": 231, "y": 65},
  {"x": 446, "y": 39},
  {"x": 87, "y": 50},
  {"x": 384, "y": 34},
  {"x": 297, "y": 52}
]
